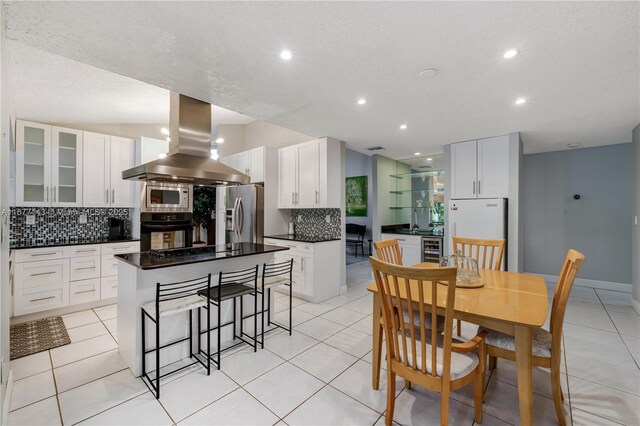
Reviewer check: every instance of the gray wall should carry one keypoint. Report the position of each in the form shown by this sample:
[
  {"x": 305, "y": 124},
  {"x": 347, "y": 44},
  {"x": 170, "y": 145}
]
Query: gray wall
[
  {"x": 636, "y": 214},
  {"x": 357, "y": 164},
  {"x": 597, "y": 225}
]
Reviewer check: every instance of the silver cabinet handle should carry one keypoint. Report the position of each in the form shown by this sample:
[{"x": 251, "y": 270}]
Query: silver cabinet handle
[
  {"x": 49, "y": 253},
  {"x": 474, "y": 187},
  {"x": 113, "y": 196},
  {"x": 42, "y": 298},
  {"x": 107, "y": 192},
  {"x": 43, "y": 273},
  {"x": 85, "y": 291},
  {"x": 85, "y": 250},
  {"x": 478, "y": 187},
  {"x": 54, "y": 193},
  {"x": 293, "y": 198},
  {"x": 47, "y": 194},
  {"x": 297, "y": 198},
  {"x": 317, "y": 194},
  {"x": 302, "y": 264},
  {"x": 85, "y": 268}
]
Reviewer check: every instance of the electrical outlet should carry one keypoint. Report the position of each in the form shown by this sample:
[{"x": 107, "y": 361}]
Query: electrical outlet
[
  {"x": 82, "y": 218},
  {"x": 299, "y": 218},
  {"x": 31, "y": 219},
  {"x": 327, "y": 219}
]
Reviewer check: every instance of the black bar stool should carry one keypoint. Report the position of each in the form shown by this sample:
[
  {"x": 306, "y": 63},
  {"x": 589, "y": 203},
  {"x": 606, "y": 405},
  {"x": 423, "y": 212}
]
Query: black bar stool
[
  {"x": 233, "y": 285},
  {"x": 173, "y": 298},
  {"x": 274, "y": 275}
]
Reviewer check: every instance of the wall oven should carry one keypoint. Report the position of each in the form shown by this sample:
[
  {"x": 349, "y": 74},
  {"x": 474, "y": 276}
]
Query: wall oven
[
  {"x": 159, "y": 231},
  {"x": 166, "y": 197}
]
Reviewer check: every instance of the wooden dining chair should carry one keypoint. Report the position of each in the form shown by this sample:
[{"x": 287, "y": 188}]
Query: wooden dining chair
[
  {"x": 546, "y": 345},
  {"x": 389, "y": 251},
  {"x": 488, "y": 254},
  {"x": 419, "y": 355}
]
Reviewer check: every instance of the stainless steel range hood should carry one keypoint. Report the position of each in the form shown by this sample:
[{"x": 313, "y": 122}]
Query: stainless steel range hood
[{"x": 189, "y": 158}]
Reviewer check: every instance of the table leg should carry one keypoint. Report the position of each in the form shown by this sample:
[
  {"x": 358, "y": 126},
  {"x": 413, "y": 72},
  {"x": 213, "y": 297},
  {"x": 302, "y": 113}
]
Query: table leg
[
  {"x": 377, "y": 343},
  {"x": 523, "y": 364}
]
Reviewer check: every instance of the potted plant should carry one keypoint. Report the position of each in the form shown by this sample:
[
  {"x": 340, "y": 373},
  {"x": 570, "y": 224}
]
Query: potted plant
[{"x": 204, "y": 203}]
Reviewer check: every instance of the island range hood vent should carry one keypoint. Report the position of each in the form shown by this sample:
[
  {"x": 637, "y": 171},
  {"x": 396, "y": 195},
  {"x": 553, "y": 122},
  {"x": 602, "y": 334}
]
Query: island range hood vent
[{"x": 189, "y": 157}]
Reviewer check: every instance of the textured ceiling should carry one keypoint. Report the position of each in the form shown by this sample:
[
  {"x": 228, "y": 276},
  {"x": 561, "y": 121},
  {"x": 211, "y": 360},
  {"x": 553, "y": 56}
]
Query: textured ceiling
[
  {"x": 578, "y": 64},
  {"x": 53, "y": 89}
]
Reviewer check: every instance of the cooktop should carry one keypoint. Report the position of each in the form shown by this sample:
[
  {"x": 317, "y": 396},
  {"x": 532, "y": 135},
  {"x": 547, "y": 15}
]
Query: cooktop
[{"x": 190, "y": 251}]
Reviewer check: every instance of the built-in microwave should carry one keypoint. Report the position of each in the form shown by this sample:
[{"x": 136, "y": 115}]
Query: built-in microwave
[{"x": 158, "y": 197}]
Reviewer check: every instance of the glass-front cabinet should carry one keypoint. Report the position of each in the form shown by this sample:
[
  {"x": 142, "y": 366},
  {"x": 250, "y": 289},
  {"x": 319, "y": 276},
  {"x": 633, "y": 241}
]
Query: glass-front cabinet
[
  {"x": 48, "y": 165},
  {"x": 422, "y": 194}
]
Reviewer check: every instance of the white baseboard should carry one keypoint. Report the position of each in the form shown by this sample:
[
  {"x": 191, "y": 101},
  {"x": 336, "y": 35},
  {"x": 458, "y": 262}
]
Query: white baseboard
[
  {"x": 583, "y": 282},
  {"x": 636, "y": 305},
  {"x": 6, "y": 404}
]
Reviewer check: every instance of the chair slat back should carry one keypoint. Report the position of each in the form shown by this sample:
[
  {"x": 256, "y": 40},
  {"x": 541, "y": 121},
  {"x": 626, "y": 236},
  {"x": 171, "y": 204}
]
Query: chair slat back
[
  {"x": 177, "y": 290},
  {"x": 388, "y": 251},
  {"x": 418, "y": 289},
  {"x": 488, "y": 253},
  {"x": 245, "y": 276},
  {"x": 277, "y": 269},
  {"x": 572, "y": 264}
]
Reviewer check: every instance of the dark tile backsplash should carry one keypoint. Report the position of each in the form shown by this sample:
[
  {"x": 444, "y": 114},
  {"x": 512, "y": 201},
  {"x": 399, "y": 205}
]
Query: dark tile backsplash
[
  {"x": 314, "y": 223},
  {"x": 60, "y": 224}
]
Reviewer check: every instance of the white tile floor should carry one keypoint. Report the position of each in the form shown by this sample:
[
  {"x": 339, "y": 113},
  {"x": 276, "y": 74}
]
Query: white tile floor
[{"x": 321, "y": 375}]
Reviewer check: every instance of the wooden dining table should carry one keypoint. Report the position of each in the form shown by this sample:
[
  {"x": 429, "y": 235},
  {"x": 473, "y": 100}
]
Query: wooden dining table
[{"x": 509, "y": 302}]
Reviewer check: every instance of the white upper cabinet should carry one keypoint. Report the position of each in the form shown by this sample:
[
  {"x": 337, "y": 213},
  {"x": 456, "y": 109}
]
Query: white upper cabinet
[
  {"x": 287, "y": 177},
  {"x": 480, "y": 168},
  {"x": 309, "y": 175},
  {"x": 66, "y": 167},
  {"x": 105, "y": 157},
  {"x": 33, "y": 164},
  {"x": 151, "y": 149},
  {"x": 250, "y": 163},
  {"x": 96, "y": 163},
  {"x": 493, "y": 167},
  {"x": 48, "y": 166},
  {"x": 122, "y": 158}
]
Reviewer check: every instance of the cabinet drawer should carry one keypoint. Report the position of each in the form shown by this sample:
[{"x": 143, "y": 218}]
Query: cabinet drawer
[
  {"x": 298, "y": 246},
  {"x": 39, "y": 254},
  {"x": 46, "y": 274},
  {"x": 109, "y": 266},
  {"x": 84, "y": 291},
  {"x": 119, "y": 248},
  {"x": 414, "y": 240},
  {"x": 85, "y": 250},
  {"x": 84, "y": 268},
  {"x": 272, "y": 242},
  {"x": 108, "y": 287},
  {"x": 40, "y": 300}
]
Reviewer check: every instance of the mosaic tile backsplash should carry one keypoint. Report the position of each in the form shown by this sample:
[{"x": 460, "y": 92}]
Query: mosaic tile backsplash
[
  {"x": 61, "y": 224},
  {"x": 314, "y": 223}
]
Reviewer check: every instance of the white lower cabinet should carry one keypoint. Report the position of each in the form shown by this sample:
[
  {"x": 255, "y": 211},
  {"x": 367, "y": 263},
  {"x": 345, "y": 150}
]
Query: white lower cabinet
[
  {"x": 51, "y": 278},
  {"x": 410, "y": 247},
  {"x": 315, "y": 275}
]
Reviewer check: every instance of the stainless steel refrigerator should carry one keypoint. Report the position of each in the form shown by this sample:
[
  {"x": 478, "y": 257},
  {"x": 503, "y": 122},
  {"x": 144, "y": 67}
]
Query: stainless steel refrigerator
[{"x": 239, "y": 214}]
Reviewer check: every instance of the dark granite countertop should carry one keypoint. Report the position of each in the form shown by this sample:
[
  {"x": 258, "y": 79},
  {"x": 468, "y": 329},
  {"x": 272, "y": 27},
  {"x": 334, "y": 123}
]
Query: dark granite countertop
[
  {"x": 301, "y": 238},
  {"x": 418, "y": 232},
  {"x": 69, "y": 242},
  {"x": 145, "y": 261}
]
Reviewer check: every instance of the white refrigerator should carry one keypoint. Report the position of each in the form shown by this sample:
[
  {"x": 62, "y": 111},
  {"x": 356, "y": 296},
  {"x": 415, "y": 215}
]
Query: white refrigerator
[{"x": 480, "y": 218}]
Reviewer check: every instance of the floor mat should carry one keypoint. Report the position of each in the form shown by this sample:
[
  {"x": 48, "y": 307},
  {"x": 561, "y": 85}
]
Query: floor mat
[{"x": 37, "y": 336}]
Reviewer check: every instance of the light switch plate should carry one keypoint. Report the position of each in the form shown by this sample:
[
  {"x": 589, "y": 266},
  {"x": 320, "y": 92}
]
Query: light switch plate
[
  {"x": 327, "y": 219},
  {"x": 31, "y": 219},
  {"x": 82, "y": 218}
]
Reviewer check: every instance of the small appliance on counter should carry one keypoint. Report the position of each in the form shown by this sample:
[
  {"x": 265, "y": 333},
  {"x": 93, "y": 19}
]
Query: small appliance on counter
[{"x": 117, "y": 229}]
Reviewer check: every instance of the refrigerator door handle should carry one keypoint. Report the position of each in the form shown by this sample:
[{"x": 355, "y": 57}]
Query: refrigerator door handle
[
  {"x": 240, "y": 216},
  {"x": 233, "y": 216}
]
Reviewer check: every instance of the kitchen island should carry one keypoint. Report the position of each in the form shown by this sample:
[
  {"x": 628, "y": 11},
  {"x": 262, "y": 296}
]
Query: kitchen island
[{"x": 138, "y": 275}]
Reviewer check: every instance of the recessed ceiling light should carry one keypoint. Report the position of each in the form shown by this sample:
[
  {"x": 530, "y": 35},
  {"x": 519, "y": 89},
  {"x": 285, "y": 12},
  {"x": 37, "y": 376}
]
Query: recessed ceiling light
[
  {"x": 416, "y": 153},
  {"x": 403, "y": 126},
  {"x": 286, "y": 55},
  {"x": 428, "y": 73},
  {"x": 163, "y": 155},
  {"x": 429, "y": 159},
  {"x": 168, "y": 139},
  {"x": 510, "y": 53},
  {"x": 520, "y": 101},
  {"x": 174, "y": 177},
  {"x": 214, "y": 154},
  {"x": 220, "y": 140},
  {"x": 362, "y": 101},
  {"x": 164, "y": 131}
]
